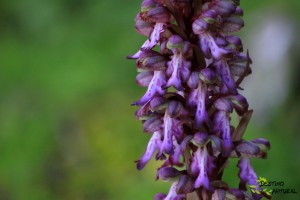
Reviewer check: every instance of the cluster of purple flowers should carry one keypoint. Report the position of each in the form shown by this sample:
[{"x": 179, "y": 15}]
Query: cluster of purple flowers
[{"x": 193, "y": 66}]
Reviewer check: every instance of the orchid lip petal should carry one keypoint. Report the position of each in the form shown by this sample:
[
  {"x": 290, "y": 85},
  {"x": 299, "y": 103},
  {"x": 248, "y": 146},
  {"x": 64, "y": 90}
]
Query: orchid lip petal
[
  {"x": 247, "y": 174},
  {"x": 167, "y": 144},
  {"x": 185, "y": 70},
  {"x": 153, "y": 144},
  {"x": 155, "y": 87},
  {"x": 224, "y": 71},
  {"x": 155, "y": 35},
  {"x": 175, "y": 64},
  {"x": 201, "y": 113},
  {"x": 177, "y": 153},
  {"x": 159, "y": 196},
  {"x": 208, "y": 44},
  {"x": 172, "y": 195},
  {"x": 202, "y": 159},
  {"x": 146, "y": 46},
  {"x": 222, "y": 124}
]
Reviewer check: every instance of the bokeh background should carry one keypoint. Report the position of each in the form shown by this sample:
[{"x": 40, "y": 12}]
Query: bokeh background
[{"x": 67, "y": 130}]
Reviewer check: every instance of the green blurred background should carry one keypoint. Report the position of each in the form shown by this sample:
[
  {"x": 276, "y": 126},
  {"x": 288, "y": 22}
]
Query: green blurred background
[{"x": 67, "y": 130}]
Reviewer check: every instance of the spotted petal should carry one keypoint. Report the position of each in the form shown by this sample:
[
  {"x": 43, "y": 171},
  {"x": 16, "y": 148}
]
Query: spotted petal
[
  {"x": 154, "y": 143},
  {"x": 222, "y": 125},
  {"x": 172, "y": 195},
  {"x": 200, "y": 157},
  {"x": 210, "y": 48},
  {"x": 247, "y": 174},
  {"x": 155, "y": 87}
]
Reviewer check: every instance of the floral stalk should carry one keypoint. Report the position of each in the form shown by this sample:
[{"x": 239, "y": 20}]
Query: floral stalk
[{"x": 193, "y": 65}]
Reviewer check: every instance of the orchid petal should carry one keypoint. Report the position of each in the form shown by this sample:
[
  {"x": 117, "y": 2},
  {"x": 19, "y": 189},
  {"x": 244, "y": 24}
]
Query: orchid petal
[
  {"x": 209, "y": 46},
  {"x": 154, "y": 143},
  {"x": 155, "y": 87},
  {"x": 247, "y": 174},
  {"x": 224, "y": 71},
  {"x": 222, "y": 124},
  {"x": 202, "y": 158},
  {"x": 175, "y": 65},
  {"x": 167, "y": 144}
]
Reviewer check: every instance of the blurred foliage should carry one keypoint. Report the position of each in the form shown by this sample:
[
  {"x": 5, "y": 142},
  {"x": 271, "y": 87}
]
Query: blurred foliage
[{"x": 67, "y": 130}]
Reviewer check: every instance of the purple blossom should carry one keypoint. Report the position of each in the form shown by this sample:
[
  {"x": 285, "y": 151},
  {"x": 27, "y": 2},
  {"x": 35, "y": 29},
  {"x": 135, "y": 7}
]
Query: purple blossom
[
  {"x": 191, "y": 127},
  {"x": 200, "y": 167},
  {"x": 154, "y": 144},
  {"x": 247, "y": 175}
]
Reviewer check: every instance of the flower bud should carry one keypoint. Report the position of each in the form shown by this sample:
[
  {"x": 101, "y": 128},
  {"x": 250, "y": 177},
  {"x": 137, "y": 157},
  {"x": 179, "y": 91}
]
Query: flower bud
[
  {"x": 208, "y": 76},
  {"x": 240, "y": 103},
  {"x": 193, "y": 80},
  {"x": 239, "y": 64},
  {"x": 232, "y": 24},
  {"x": 248, "y": 149},
  {"x": 235, "y": 43},
  {"x": 224, "y": 7},
  {"x": 223, "y": 104},
  {"x": 174, "y": 108},
  {"x": 143, "y": 27},
  {"x": 209, "y": 16},
  {"x": 151, "y": 125},
  {"x": 167, "y": 173},
  {"x": 156, "y": 15},
  {"x": 148, "y": 4},
  {"x": 220, "y": 41},
  {"x": 175, "y": 42},
  {"x": 201, "y": 138},
  {"x": 151, "y": 60},
  {"x": 144, "y": 78},
  {"x": 158, "y": 103},
  {"x": 199, "y": 26},
  {"x": 239, "y": 11},
  {"x": 262, "y": 143}
]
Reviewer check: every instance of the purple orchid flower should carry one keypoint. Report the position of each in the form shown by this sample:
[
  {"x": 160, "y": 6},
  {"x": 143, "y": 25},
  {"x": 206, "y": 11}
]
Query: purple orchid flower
[{"x": 191, "y": 126}]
